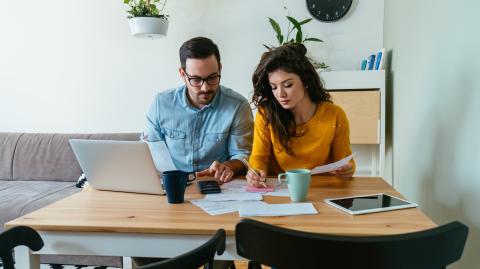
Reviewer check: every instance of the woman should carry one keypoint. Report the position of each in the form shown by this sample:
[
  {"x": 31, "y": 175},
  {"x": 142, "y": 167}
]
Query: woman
[{"x": 297, "y": 125}]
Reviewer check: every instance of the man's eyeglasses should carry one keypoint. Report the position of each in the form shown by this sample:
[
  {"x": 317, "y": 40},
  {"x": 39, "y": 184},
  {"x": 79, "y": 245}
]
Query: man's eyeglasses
[{"x": 198, "y": 81}]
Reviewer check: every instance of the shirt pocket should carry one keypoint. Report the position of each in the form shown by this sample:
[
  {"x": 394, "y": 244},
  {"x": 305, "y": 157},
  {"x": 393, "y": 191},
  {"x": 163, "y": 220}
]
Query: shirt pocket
[
  {"x": 175, "y": 140},
  {"x": 216, "y": 143}
]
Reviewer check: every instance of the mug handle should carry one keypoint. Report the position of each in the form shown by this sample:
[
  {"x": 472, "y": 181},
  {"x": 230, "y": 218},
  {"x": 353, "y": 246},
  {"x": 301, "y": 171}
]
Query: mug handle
[{"x": 280, "y": 178}]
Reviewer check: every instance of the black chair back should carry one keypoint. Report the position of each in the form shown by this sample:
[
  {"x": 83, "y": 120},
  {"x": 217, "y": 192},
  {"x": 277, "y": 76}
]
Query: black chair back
[
  {"x": 284, "y": 248},
  {"x": 17, "y": 236},
  {"x": 203, "y": 255}
]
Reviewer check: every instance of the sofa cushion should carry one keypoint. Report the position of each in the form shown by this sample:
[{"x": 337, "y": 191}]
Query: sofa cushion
[
  {"x": 50, "y": 157},
  {"x": 18, "y": 198},
  {"x": 8, "y": 142}
]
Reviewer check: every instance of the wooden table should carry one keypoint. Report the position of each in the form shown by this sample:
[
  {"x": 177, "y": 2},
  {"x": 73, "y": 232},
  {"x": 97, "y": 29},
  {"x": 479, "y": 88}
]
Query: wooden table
[{"x": 125, "y": 224}]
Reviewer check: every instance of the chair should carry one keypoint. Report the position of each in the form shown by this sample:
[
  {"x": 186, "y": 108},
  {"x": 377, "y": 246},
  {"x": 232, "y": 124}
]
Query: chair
[
  {"x": 203, "y": 255},
  {"x": 17, "y": 236},
  {"x": 283, "y": 248}
]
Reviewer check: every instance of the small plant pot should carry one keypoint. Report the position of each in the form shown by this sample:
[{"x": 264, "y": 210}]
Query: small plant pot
[{"x": 148, "y": 27}]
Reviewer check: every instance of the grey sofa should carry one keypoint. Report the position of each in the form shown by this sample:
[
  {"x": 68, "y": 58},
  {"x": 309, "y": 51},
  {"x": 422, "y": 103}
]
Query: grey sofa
[{"x": 39, "y": 169}]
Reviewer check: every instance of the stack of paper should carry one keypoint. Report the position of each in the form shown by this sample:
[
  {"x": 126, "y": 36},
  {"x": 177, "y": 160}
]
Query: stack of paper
[
  {"x": 217, "y": 208},
  {"x": 234, "y": 196},
  {"x": 268, "y": 210}
]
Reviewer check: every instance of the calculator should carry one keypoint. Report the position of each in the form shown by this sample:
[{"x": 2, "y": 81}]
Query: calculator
[{"x": 208, "y": 186}]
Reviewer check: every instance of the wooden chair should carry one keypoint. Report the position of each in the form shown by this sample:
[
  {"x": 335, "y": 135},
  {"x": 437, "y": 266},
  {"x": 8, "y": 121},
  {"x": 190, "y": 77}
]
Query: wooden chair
[
  {"x": 203, "y": 255},
  {"x": 17, "y": 236},
  {"x": 284, "y": 248}
]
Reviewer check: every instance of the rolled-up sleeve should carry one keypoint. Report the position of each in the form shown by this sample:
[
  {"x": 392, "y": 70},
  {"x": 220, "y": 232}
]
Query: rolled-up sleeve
[
  {"x": 153, "y": 132},
  {"x": 241, "y": 133}
]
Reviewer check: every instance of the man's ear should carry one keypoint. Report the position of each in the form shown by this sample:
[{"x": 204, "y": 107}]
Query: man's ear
[
  {"x": 182, "y": 74},
  {"x": 220, "y": 67}
]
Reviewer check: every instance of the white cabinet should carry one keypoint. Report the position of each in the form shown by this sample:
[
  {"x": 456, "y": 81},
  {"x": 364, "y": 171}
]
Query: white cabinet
[{"x": 362, "y": 95}]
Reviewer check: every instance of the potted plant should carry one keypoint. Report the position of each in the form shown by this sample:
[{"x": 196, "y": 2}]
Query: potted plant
[
  {"x": 146, "y": 18},
  {"x": 295, "y": 35}
]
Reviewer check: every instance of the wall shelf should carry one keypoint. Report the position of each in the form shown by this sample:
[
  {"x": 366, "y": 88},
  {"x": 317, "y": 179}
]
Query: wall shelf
[{"x": 362, "y": 95}]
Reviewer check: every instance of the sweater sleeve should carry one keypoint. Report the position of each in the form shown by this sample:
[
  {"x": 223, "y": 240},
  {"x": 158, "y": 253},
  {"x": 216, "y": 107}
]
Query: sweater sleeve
[
  {"x": 262, "y": 144},
  {"x": 340, "y": 146}
]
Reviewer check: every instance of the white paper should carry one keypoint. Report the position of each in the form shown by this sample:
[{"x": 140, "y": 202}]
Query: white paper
[
  {"x": 331, "y": 166},
  {"x": 235, "y": 185},
  {"x": 214, "y": 208},
  {"x": 281, "y": 190},
  {"x": 234, "y": 196},
  {"x": 268, "y": 210},
  {"x": 161, "y": 157}
]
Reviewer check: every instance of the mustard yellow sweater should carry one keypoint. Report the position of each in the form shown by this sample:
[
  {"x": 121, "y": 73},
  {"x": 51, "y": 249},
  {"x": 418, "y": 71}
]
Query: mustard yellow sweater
[{"x": 325, "y": 139}]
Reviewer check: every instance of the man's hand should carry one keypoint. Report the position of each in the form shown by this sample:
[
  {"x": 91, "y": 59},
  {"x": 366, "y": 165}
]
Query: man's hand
[
  {"x": 344, "y": 172},
  {"x": 217, "y": 170}
]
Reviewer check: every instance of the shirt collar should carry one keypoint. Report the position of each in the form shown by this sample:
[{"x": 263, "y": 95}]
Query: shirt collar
[{"x": 186, "y": 104}]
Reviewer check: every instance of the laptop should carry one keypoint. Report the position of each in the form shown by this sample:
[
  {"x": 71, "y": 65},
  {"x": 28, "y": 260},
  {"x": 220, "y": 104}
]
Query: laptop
[{"x": 125, "y": 166}]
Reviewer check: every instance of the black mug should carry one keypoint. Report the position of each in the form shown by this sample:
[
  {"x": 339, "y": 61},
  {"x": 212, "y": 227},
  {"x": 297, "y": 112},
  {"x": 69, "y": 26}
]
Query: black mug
[{"x": 174, "y": 184}]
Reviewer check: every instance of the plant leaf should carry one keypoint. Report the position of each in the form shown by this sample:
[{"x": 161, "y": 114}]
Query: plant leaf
[
  {"x": 305, "y": 21},
  {"x": 295, "y": 23},
  {"x": 298, "y": 38},
  {"x": 313, "y": 39},
  {"x": 126, "y": 1},
  {"x": 280, "y": 40},
  {"x": 275, "y": 26},
  {"x": 268, "y": 48}
]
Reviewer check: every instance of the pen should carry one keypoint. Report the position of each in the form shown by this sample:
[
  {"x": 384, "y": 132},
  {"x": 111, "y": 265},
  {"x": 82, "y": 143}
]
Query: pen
[{"x": 253, "y": 171}]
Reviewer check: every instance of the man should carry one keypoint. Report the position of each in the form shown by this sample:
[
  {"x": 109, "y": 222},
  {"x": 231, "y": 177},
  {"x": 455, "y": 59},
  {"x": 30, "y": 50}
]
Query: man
[{"x": 207, "y": 127}]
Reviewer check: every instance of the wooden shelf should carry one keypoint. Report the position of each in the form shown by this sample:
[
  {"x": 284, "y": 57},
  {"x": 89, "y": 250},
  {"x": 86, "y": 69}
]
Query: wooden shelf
[
  {"x": 362, "y": 96},
  {"x": 353, "y": 80}
]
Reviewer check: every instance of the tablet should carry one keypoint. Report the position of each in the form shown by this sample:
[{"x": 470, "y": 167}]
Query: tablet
[{"x": 371, "y": 203}]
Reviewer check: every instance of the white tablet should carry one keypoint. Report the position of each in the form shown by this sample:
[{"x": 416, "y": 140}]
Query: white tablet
[{"x": 371, "y": 203}]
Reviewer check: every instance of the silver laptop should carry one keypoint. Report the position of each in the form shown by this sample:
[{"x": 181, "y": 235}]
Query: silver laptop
[{"x": 118, "y": 165}]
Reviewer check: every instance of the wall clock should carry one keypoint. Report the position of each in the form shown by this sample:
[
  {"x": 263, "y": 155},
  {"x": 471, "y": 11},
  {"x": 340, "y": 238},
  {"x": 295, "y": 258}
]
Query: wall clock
[{"x": 328, "y": 10}]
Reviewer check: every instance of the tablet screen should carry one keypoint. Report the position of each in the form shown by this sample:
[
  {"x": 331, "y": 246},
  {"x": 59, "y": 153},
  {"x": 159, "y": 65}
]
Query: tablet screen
[{"x": 368, "y": 202}]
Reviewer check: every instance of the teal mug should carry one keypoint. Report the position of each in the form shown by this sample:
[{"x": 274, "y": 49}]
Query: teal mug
[{"x": 298, "y": 181}]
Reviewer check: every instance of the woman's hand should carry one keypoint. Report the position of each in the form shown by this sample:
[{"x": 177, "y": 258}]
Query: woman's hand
[
  {"x": 257, "y": 181},
  {"x": 344, "y": 172}
]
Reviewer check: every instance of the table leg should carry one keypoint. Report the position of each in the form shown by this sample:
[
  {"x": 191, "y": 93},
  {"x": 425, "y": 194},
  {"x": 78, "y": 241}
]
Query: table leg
[
  {"x": 127, "y": 262},
  {"x": 24, "y": 258}
]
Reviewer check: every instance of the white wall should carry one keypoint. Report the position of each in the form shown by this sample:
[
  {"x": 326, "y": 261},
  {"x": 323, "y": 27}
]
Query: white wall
[
  {"x": 436, "y": 109},
  {"x": 72, "y": 66}
]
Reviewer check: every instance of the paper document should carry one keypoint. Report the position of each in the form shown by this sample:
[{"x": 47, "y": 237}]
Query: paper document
[
  {"x": 234, "y": 196},
  {"x": 161, "y": 157},
  {"x": 267, "y": 210},
  {"x": 217, "y": 208},
  {"x": 281, "y": 189},
  {"x": 235, "y": 185},
  {"x": 331, "y": 166}
]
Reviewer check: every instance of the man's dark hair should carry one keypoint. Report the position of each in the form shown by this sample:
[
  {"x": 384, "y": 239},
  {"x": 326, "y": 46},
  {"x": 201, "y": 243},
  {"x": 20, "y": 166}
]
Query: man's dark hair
[{"x": 198, "y": 48}]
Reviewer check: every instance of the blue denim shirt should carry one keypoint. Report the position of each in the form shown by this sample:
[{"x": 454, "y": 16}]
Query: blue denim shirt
[{"x": 221, "y": 130}]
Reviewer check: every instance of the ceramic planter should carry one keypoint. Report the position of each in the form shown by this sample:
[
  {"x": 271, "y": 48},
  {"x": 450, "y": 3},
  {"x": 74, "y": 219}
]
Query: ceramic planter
[{"x": 148, "y": 27}]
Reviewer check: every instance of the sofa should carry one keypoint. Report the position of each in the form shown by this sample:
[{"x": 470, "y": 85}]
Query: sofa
[{"x": 39, "y": 169}]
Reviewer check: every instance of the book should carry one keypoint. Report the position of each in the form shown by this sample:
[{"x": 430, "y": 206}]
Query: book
[
  {"x": 379, "y": 59},
  {"x": 371, "y": 62},
  {"x": 364, "y": 64}
]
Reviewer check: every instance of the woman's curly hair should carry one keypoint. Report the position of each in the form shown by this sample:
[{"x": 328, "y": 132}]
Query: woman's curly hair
[{"x": 290, "y": 58}]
